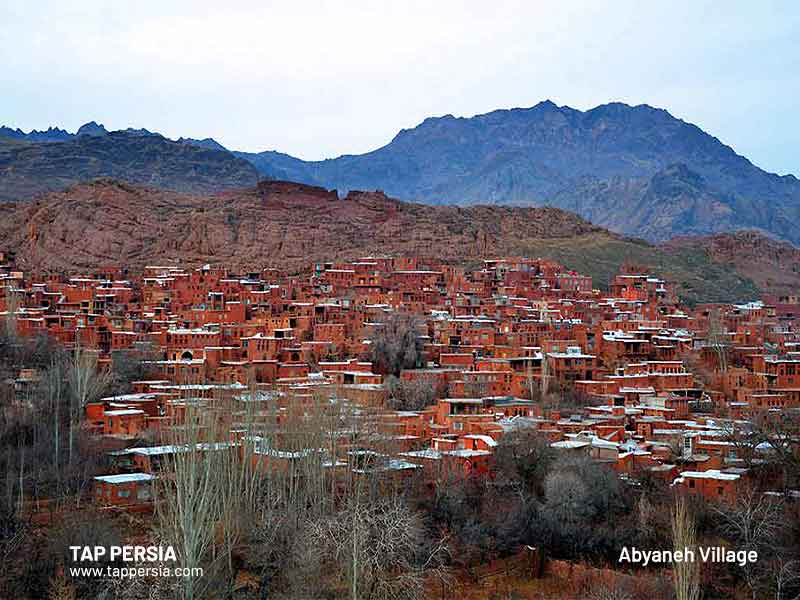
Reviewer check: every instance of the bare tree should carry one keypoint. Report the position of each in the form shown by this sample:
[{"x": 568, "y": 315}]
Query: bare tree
[
  {"x": 396, "y": 343},
  {"x": 545, "y": 381},
  {"x": 645, "y": 516},
  {"x": 525, "y": 456},
  {"x": 414, "y": 394},
  {"x": 567, "y": 497},
  {"x": 239, "y": 487},
  {"x": 189, "y": 504},
  {"x": 301, "y": 477},
  {"x": 578, "y": 488},
  {"x": 148, "y": 587},
  {"x": 607, "y": 592},
  {"x": 787, "y": 580},
  {"x": 372, "y": 549},
  {"x": 476, "y": 385},
  {"x": 53, "y": 390},
  {"x": 86, "y": 384},
  {"x": 128, "y": 366},
  {"x": 753, "y": 522},
  {"x": 12, "y": 306},
  {"x": 717, "y": 338},
  {"x": 685, "y": 574},
  {"x": 776, "y": 439},
  {"x": 61, "y": 588}
]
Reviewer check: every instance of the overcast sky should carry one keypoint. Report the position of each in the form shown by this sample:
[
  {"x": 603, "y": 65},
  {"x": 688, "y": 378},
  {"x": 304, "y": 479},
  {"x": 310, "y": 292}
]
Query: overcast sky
[{"x": 320, "y": 79}]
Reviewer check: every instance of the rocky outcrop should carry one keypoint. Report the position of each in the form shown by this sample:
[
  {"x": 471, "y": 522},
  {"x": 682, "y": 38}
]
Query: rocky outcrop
[
  {"x": 279, "y": 223},
  {"x": 772, "y": 264},
  {"x": 290, "y": 225}
]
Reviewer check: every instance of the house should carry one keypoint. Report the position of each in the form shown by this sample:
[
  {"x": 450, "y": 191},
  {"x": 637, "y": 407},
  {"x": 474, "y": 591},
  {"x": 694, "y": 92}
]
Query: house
[
  {"x": 126, "y": 489},
  {"x": 713, "y": 484}
]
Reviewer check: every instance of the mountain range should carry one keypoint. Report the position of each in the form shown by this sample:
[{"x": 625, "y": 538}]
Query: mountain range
[
  {"x": 31, "y": 168},
  {"x": 635, "y": 170},
  {"x": 92, "y": 128}
]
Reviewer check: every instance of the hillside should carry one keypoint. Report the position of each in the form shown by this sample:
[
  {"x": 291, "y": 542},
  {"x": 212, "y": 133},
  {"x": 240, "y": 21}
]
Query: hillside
[
  {"x": 291, "y": 225},
  {"x": 634, "y": 169},
  {"x": 772, "y": 265},
  {"x": 31, "y": 168}
]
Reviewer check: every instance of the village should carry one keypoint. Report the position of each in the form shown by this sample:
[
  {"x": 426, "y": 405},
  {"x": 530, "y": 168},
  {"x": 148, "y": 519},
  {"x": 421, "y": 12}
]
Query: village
[
  {"x": 652, "y": 386},
  {"x": 432, "y": 364}
]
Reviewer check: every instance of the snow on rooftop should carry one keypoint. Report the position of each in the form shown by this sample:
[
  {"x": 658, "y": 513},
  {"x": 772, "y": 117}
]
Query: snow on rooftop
[
  {"x": 125, "y": 478},
  {"x": 124, "y": 412},
  {"x": 488, "y": 440},
  {"x": 570, "y": 444},
  {"x": 465, "y": 453},
  {"x": 710, "y": 474},
  {"x": 428, "y": 453}
]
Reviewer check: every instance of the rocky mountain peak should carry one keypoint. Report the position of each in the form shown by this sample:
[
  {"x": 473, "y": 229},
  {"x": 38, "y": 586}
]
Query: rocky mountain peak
[{"x": 92, "y": 128}]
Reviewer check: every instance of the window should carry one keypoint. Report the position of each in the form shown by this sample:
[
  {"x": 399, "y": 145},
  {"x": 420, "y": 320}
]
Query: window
[
  {"x": 143, "y": 494},
  {"x": 458, "y": 426},
  {"x": 123, "y": 493}
]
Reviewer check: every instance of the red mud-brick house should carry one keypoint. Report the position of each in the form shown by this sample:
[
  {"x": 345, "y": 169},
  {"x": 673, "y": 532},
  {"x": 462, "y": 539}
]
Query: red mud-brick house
[
  {"x": 146, "y": 459},
  {"x": 124, "y": 421},
  {"x": 457, "y": 360},
  {"x": 364, "y": 394},
  {"x": 573, "y": 282},
  {"x": 125, "y": 489},
  {"x": 617, "y": 347},
  {"x": 431, "y": 461},
  {"x": 783, "y": 375},
  {"x": 387, "y": 468},
  {"x": 149, "y": 459},
  {"x": 125, "y": 416},
  {"x": 187, "y": 344},
  {"x": 490, "y": 380},
  {"x": 635, "y": 460},
  {"x": 444, "y": 465},
  {"x": 270, "y": 458},
  {"x": 714, "y": 443},
  {"x": 468, "y": 461},
  {"x": 462, "y": 416},
  {"x": 476, "y": 441},
  {"x": 569, "y": 363},
  {"x": 439, "y": 379},
  {"x": 712, "y": 484}
]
